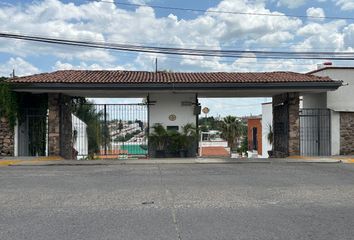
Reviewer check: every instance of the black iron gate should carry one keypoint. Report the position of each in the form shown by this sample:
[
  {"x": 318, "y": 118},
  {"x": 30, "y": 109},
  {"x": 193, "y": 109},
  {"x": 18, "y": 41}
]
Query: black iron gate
[
  {"x": 315, "y": 134},
  {"x": 281, "y": 129},
  {"x": 111, "y": 131},
  {"x": 32, "y": 139}
]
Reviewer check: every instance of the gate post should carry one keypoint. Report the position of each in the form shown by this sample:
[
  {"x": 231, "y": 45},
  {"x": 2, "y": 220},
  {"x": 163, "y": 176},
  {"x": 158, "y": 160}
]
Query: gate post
[
  {"x": 53, "y": 124},
  {"x": 59, "y": 126},
  {"x": 286, "y": 125}
]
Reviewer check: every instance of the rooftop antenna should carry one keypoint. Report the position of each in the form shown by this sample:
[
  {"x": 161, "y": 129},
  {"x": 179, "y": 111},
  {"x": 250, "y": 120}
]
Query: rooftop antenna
[
  {"x": 156, "y": 65},
  {"x": 13, "y": 73}
]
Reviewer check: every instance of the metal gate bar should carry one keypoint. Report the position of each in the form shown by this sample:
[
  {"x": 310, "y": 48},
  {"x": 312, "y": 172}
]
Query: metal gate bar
[
  {"x": 315, "y": 134},
  {"x": 118, "y": 131}
]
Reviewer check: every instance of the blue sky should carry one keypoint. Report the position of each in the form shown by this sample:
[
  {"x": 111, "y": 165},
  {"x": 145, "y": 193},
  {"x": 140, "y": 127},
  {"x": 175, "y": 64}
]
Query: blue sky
[{"x": 99, "y": 21}]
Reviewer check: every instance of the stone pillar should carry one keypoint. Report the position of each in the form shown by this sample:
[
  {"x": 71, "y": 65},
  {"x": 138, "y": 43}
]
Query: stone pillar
[
  {"x": 6, "y": 138},
  {"x": 66, "y": 142},
  {"x": 59, "y": 126},
  {"x": 54, "y": 124},
  {"x": 347, "y": 133},
  {"x": 286, "y": 125},
  {"x": 294, "y": 124}
]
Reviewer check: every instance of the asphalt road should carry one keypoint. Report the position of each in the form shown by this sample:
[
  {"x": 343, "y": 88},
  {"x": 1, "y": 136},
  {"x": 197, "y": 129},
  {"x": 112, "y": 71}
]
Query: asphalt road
[{"x": 230, "y": 201}]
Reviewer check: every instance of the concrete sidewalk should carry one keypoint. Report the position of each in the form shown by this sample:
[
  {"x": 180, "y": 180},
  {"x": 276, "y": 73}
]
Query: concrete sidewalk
[{"x": 55, "y": 161}]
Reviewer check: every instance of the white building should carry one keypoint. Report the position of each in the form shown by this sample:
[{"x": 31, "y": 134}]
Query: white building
[
  {"x": 267, "y": 122},
  {"x": 80, "y": 141},
  {"x": 341, "y": 105},
  {"x": 326, "y": 119}
]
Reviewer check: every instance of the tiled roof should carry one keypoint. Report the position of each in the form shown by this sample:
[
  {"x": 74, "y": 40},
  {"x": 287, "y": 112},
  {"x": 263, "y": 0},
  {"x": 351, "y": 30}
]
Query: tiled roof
[{"x": 136, "y": 77}]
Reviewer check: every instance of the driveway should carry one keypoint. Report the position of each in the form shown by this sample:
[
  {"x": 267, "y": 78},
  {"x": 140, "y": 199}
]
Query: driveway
[{"x": 216, "y": 201}]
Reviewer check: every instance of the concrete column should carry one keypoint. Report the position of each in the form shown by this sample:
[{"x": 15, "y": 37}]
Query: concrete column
[
  {"x": 59, "y": 126},
  {"x": 286, "y": 125}
]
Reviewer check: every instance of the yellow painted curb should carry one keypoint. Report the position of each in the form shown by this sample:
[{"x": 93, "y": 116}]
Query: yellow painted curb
[
  {"x": 301, "y": 157},
  {"x": 347, "y": 160},
  {"x": 5, "y": 163},
  {"x": 50, "y": 158}
]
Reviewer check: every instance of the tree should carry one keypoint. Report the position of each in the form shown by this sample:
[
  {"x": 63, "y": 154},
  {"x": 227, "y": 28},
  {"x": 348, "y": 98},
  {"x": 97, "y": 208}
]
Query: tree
[
  {"x": 86, "y": 111},
  {"x": 8, "y": 102},
  {"x": 232, "y": 130}
]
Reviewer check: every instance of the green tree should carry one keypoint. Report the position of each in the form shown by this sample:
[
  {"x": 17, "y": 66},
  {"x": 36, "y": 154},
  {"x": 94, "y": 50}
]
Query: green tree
[
  {"x": 85, "y": 111},
  {"x": 8, "y": 102},
  {"x": 232, "y": 129}
]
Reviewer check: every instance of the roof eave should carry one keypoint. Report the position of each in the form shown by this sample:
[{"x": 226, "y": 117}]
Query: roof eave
[{"x": 333, "y": 85}]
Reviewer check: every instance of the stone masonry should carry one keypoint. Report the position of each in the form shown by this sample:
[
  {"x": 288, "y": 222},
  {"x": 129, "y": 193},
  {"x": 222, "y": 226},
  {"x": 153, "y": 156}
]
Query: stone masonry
[
  {"x": 6, "y": 138},
  {"x": 53, "y": 124},
  {"x": 66, "y": 141},
  {"x": 59, "y": 126},
  {"x": 347, "y": 133},
  {"x": 286, "y": 125}
]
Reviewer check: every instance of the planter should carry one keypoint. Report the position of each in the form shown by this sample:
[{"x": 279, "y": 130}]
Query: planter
[
  {"x": 270, "y": 153},
  {"x": 160, "y": 154}
]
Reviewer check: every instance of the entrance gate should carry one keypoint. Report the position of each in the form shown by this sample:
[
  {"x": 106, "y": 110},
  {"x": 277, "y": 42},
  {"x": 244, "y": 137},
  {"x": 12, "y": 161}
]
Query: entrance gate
[
  {"x": 32, "y": 138},
  {"x": 315, "y": 132},
  {"x": 111, "y": 131}
]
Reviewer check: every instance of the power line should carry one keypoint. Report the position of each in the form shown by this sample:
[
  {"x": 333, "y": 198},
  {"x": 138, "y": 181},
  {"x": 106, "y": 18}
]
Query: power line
[
  {"x": 222, "y": 12},
  {"x": 188, "y": 51}
]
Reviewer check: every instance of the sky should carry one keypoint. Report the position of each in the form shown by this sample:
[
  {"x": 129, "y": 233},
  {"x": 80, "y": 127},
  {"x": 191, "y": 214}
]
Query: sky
[{"x": 114, "y": 23}]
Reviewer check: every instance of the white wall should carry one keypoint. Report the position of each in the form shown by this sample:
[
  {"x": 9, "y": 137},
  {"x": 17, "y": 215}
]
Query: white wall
[
  {"x": 340, "y": 100},
  {"x": 81, "y": 144},
  {"x": 165, "y": 104},
  {"x": 314, "y": 100},
  {"x": 267, "y": 120}
]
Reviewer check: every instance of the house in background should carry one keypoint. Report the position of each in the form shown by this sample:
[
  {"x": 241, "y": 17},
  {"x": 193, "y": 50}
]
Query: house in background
[
  {"x": 80, "y": 138},
  {"x": 254, "y": 134},
  {"x": 212, "y": 145}
]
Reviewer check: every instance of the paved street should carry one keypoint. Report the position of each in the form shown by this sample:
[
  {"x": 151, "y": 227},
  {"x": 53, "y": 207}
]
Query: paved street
[{"x": 216, "y": 201}]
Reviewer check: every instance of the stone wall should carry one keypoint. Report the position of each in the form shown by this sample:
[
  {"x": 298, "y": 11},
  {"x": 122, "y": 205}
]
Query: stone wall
[
  {"x": 59, "y": 126},
  {"x": 294, "y": 124},
  {"x": 286, "y": 125},
  {"x": 66, "y": 141},
  {"x": 53, "y": 124},
  {"x": 6, "y": 138},
  {"x": 347, "y": 133}
]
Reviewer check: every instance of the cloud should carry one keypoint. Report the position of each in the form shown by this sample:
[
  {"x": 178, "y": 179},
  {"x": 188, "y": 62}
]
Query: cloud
[
  {"x": 345, "y": 5},
  {"x": 291, "y": 3},
  {"x": 20, "y": 66},
  {"x": 85, "y": 66},
  {"x": 315, "y": 12},
  {"x": 105, "y": 22},
  {"x": 99, "y": 21},
  {"x": 349, "y": 37},
  {"x": 327, "y": 36}
]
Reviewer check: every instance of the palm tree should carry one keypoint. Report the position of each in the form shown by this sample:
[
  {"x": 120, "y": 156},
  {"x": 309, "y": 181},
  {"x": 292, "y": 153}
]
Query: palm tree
[{"x": 232, "y": 129}]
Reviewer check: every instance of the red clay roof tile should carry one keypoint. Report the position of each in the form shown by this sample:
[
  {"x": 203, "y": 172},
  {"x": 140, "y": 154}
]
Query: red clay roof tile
[{"x": 131, "y": 77}]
